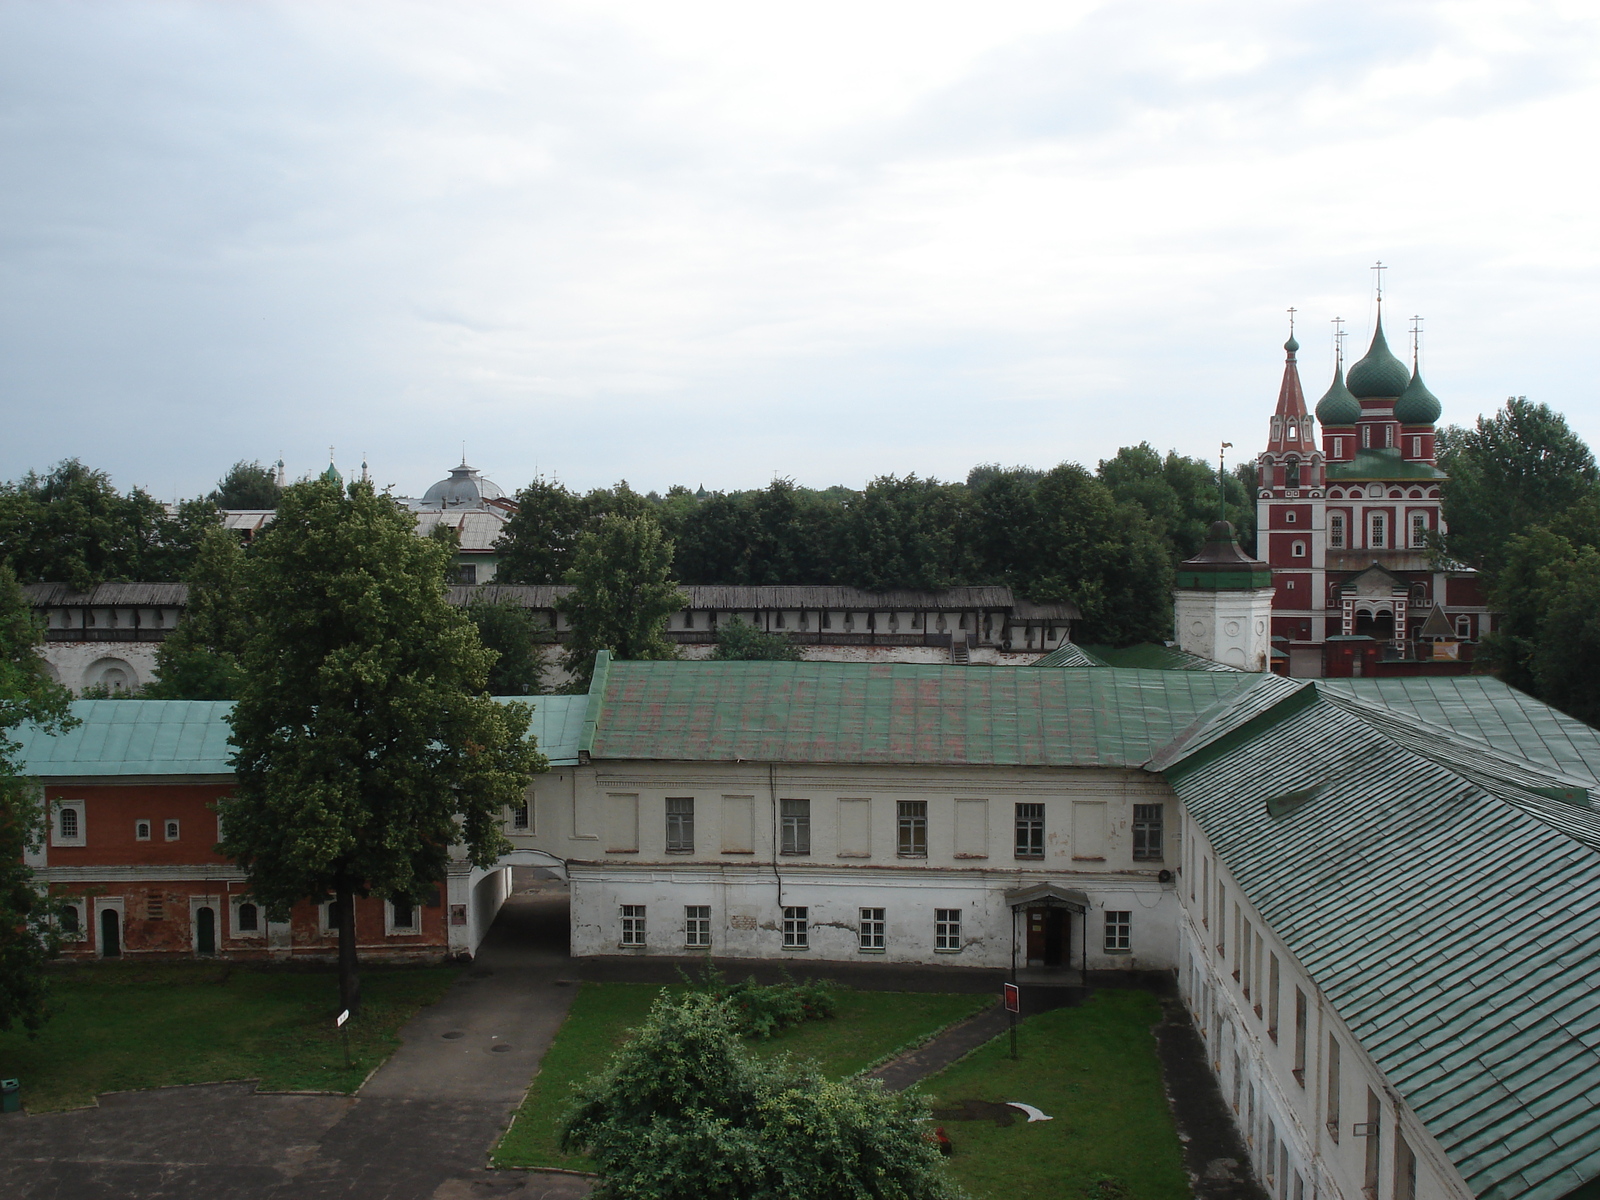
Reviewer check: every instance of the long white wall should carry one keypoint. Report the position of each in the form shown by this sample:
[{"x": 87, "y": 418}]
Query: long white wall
[{"x": 1319, "y": 1118}]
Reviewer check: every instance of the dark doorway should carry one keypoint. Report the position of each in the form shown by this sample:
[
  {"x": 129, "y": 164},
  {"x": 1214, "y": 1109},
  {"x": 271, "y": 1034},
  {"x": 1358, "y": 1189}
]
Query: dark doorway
[
  {"x": 110, "y": 934},
  {"x": 1379, "y": 626},
  {"x": 1049, "y": 937},
  {"x": 205, "y": 931}
]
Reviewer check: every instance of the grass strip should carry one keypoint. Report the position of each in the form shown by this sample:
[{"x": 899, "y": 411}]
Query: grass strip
[
  {"x": 123, "y": 1026},
  {"x": 603, "y": 1016},
  {"x": 1094, "y": 1070}
]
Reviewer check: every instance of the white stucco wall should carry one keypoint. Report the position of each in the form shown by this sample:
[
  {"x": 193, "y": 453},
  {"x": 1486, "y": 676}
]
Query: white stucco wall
[
  {"x": 78, "y": 665},
  {"x": 1233, "y": 628}
]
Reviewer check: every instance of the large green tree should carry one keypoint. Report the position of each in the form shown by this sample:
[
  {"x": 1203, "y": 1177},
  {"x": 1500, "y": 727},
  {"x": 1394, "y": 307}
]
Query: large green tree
[
  {"x": 737, "y": 640},
  {"x": 1181, "y": 496},
  {"x": 905, "y": 533},
  {"x": 685, "y": 1112},
  {"x": 200, "y": 659},
  {"x": 247, "y": 485},
  {"x": 1521, "y": 467},
  {"x": 781, "y": 534},
  {"x": 1100, "y": 555},
  {"x": 28, "y": 695},
  {"x": 541, "y": 537},
  {"x": 367, "y": 746},
  {"x": 517, "y": 638},
  {"x": 622, "y": 594},
  {"x": 71, "y": 525}
]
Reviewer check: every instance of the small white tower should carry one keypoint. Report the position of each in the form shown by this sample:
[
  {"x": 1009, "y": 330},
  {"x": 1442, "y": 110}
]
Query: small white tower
[{"x": 1223, "y": 603}]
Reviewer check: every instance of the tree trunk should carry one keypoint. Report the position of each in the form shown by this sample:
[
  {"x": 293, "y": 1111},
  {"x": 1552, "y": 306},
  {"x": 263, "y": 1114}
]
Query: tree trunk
[{"x": 349, "y": 976}]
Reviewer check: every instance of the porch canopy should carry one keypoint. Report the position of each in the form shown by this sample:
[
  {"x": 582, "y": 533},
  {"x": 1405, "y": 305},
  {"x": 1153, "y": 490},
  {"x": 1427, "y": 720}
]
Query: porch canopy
[{"x": 1047, "y": 895}]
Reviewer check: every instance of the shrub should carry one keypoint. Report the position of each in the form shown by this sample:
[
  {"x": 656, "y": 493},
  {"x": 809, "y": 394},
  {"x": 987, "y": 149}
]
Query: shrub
[{"x": 761, "y": 1010}]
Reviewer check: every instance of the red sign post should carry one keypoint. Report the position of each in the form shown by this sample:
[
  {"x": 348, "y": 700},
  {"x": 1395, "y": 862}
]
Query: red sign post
[{"x": 1013, "y": 997}]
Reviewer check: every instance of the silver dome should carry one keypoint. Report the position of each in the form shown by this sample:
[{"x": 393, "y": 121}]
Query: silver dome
[{"x": 464, "y": 489}]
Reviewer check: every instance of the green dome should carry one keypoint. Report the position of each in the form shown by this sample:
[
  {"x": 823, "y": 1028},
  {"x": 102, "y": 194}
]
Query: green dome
[
  {"x": 1338, "y": 406},
  {"x": 1291, "y": 345},
  {"x": 332, "y": 475},
  {"x": 1380, "y": 374},
  {"x": 1417, "y": 405}
]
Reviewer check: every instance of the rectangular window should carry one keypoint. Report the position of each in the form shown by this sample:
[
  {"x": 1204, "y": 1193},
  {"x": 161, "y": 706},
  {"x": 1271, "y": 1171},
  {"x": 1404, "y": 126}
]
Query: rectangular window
[
  {"x": 796, "y": 928},
  {"x": 519, "y": 815},
  {"x": 1244, "y": 959},
  {"x": 1336, "y": 531},
  {"x": 632, "y": 925},
  {"x": 1405, "y": 1170},
  {"x": 680, "y": 824},
  {"x": 1119, "y": 930},
  {"x": 1299, "y": 1037},
  {"x": 171, "y": 830},
  {"x": 1271, "y": 1156},
  {"x": 141, "y": 831},
  {"x": 1419, "y": 530},
  {"x": 403, "y": 916},
  {"x": 1272, "y": 996},
  {"x": 697, "y": 926},
  {"x": 249, "y": 918},
  {"x": 1030, "y": 831},
  {"x": 1148, "y": 822},
  {"x": 1289, "y": 517},
  {"x": 947, "y": 929},
  {"x": 913, "y": 829},
  {"x": 871, "y": 929},
  {"x": 1338, "y": 447},
  {"x": 69, "y": 824},
  {"x": 330, "y": 917},
  {"x": 155, "y": 907},
  {"x": 1374, "y": 1155},
  {"x": 1377, "y": 531},
  {"x": 1416, "y": 447},
  {"x": 1333, "y": 1088},
  {"x": 796, "y": 826},
  {"x": 1255, "y": 971},
  {"x": 1366, "y": 436},
  {"x": 1205, "y": 892}
]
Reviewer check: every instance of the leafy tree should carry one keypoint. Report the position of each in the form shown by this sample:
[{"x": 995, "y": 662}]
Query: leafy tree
[
  {"x": 778, "y": 535},
  {"x": 739, "y": 640},
  {"x": 1100, "y": 555},
  {"x": 72, "y": 526},
  {"x": 1521, "y": 467},
  {"x": 905, "y": 533},
  {"x": 28, "y": 694},
  {"x": 366, "y": 744},
  {"x": 247, "y": 485},
  {"x": 685, "y": 1112},
  {"x": 1181, "y": 496},
  {"x": 622, "y": 594},
  {"x": 1003, "y": 515},
  {"x": 517, "y": 637},
  {"x": 1566, "y": 664},
  {"x": 539, "y": 541},
  {"x": 200, "y": 659}
]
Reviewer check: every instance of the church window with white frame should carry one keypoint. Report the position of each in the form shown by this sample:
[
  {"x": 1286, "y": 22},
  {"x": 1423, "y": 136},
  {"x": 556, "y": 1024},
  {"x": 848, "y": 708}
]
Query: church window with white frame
[
  {"x": 1336, "y": 531},
  {"x": 1377, "y": 530},
  {"x": 1419, "y": 530}
]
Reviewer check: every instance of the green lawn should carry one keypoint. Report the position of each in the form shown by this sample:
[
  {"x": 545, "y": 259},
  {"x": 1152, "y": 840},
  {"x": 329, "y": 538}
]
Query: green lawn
[
  {"x": 869, "y": 1026},
  {"x": 1094, "y": 1069},
  {"x": 120, "y": 1026}
]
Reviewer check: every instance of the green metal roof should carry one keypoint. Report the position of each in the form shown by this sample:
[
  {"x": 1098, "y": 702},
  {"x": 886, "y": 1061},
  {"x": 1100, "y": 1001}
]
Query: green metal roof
[
  {"x": 1382, "y": 463},
  {"x": 1445, "y": 904},
  {"x": 133, "y": 737},
  {"x": 1380, "y": 374},
  {"x": 893, "y": 713},
  {"x": 1152, "y": 657},
  {"x": 1338, "y": 406},
  {"x": 1494, "y": 713},
  {"x": 190, "y": 737},
  {"x": 1068, "y": 655},
  {"x": 1417, "y": 405}
]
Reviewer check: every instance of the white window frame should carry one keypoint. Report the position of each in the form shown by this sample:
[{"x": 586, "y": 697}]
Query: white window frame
[
  {"x": 171, "y": 829},
  {"x": 1377, "y": 531},
  {"x": 1297, "y": 550},
  {"x": 1119, "y": 931},
  {"x": 796, "y": 927},
  {"x": 947, "y": 931},
  {"x": 911, "y": 829},
  {"x": 393, "y": 928},
  {"x": 1419, "y": 530},
  {"x": 1289, "y": 517},
  {"x": 796, "y": 826},
  {"x": 1338, "y": 447},
  {"x": 697, "y": 926},
  {"x": 249, "y": 935},
  {"x": 679, "y": 826},
  {"x": 143, "y": 829},
  {"x": 871, "y": 933},
  {"x": 1336, "y": 538},
  {"x": 519, "y": 817},
  {"x": 78, "y": 809},
  {"x": 631, "y": 933}
]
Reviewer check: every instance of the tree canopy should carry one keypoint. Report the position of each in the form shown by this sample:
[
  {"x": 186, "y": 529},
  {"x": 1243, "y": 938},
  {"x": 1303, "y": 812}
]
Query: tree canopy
[
  {"x": 200, "y": 659},
  {"x": 517, "y": 638},
  {"x": 367, "y": 746},
  {"x": 71, "y": 525},
  {"x": 622, "y": 594},
  {"x": 685, "y": 1112},
  {"x": 738, "y": 639},
  {"x": 28, "y": 695},
  {"x": 247, "y": 485}
]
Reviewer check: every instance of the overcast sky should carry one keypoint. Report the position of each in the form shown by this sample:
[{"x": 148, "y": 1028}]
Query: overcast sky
[{"x": 713, "y": 243}]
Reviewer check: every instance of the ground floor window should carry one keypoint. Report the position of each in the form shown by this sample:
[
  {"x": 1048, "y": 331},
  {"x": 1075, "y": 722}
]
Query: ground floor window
[
  {"x": 947, "y": 929},
  {"x": 402, "y": 916},
  {"x": 796, "y": 928},
  {"x": 633, "y": 924},
  {"x": 697, "y": 925},
  {"x": 1119, "y": 930},
  {"x": 871, "y": 930},
  {"x": 249, "y": 920}
]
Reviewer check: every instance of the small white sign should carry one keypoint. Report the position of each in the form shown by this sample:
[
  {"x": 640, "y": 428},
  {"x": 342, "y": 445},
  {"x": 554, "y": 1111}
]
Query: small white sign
[{"x": 341, "y": 1019}]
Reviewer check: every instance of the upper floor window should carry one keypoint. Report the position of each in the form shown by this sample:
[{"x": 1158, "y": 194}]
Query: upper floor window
[
  {"x": 1377, "y": 531},
  {"x": 1294, "y": 432},
  {"x": 1298, "y": 549},
  {"x": 1388, "y": 435},
  {"x": 467, "y": 576},
  {"x": 1419, "y": 530},
  {"x": 1366, "y": 435},
  {"x": 913, "y": 829},
  {"x": 171, "y": 830},
  {"x": 1148, "y": 830},
  {"x": 1416, "y": 447},
  {"x": 680, "y": 824},
  {"x": 520, "y": 815},
  {"x": 141, "y": 831},
  {"x": 69, "y": 824},
  {"x": 1291, "y": 474},
  {"x": 1336, "y": 531},
  {"x": 1338, "y": 447},
  {"x": 796, "y": 826},
  {"x": 1290, "y": 517},
  {"x": 1030, "y": 831}
]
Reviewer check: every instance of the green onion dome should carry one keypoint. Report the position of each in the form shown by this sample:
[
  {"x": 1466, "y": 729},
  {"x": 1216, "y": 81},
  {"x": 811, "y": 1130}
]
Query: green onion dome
[
  {"x": 1417, "y": 405},
  {"x": 1338, "y": 406},
  {"x": 1380, "y": 374}
]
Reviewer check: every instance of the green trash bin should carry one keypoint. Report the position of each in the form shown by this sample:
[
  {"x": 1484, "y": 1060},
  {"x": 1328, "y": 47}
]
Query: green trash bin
[{"x": 10, "y": 1095}]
